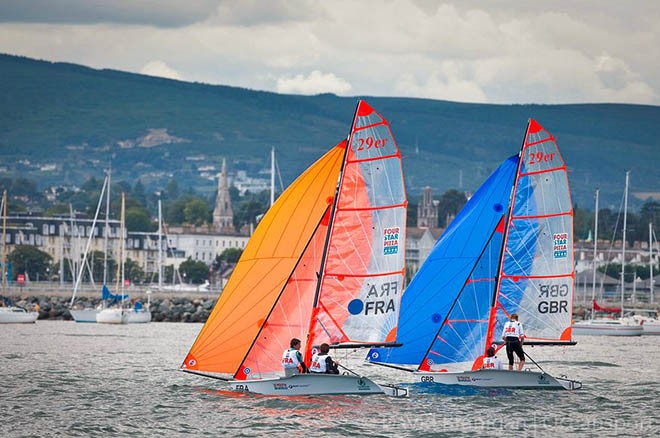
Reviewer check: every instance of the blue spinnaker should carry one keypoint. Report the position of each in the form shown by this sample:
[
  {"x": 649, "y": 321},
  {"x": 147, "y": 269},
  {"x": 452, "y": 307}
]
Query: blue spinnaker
[
  {"x": 430, "y": 295},
  {"x": 462, "y": 336}
]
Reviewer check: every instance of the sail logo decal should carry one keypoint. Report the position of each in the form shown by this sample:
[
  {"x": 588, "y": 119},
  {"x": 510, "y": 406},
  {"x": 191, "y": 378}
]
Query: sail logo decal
[
  {"x": 391, "y": 240},
  {"x": 560, "y": 245}
]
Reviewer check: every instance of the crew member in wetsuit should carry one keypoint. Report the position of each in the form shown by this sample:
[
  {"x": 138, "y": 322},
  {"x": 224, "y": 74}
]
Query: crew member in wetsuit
[
  {"x": 292, "y": 360},
  {"x": 513, "y": 334},
  {"x": 322, "y": 363}
]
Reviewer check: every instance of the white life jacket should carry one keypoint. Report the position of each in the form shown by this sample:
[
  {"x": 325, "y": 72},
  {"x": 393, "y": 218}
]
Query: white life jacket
[
  {"x": 492, "y": 363},
  {"x": 290, "y": 358},
  {"x": 512, "y": 329},
  {"x": 318, "y": 363}
]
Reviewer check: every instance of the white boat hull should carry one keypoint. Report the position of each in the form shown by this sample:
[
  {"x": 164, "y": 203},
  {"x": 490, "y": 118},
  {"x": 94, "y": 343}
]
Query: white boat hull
[
  {"x": 84, "y": 315},
  {"x": 607, "y": 327},
  {"x": 123, "y": 316},
  {"x": 497, "y": 379},
  {"x": 137, "y": 316},
  {"x": 112, "y": 316},
  {"x": 651, "y": 328},
  {"x": 17, "y": 315},
  {"x": 316, "y": 384}
]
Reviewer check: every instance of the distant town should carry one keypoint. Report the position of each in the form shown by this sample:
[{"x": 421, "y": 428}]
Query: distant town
[{"x": 49, "y": 233}]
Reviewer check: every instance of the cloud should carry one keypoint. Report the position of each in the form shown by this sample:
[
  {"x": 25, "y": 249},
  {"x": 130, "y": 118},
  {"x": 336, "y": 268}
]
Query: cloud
[
  {"x": 158, "y": 13},
  {"x": 315, "y": 83},
  {"x": 469, "y": 50},
  {"x": 248, "y": 13},
  {"x": 160, "y": 69}
]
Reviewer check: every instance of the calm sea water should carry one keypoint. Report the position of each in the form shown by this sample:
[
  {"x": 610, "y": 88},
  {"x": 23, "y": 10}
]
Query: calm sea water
[{"x": 61, "y": 378}]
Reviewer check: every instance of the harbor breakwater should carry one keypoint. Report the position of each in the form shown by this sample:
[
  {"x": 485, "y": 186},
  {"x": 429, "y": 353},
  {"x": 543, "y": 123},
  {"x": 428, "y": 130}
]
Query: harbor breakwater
[
  {"x": 165, "y": 307},
  {"x": 168, "y": 309}
]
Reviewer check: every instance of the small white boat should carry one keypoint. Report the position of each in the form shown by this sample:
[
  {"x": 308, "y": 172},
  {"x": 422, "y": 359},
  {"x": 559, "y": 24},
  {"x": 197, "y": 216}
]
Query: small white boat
[
  {"x": 16, "y": 315},
  {"x": 650, "y": 325},
  {"x": 607, "y": 327},
  {"x": 84, "y": 315},
  {"x": 498, "y": 379},
  {"x": 317, "y": 384}
]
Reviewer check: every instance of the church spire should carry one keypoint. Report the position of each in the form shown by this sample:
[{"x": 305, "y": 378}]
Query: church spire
[
  {"x": 427, "y": 210},
  {"x": 223, "y": 215}
]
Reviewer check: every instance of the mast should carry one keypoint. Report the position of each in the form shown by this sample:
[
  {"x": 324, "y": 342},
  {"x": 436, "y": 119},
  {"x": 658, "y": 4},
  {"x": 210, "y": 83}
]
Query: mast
[
  {"x": 490, "y": 335},
  {"x": 123, "y": 245},
  {"x": 651, "y": 261},
  {"x": 593, "y": 285},
  {"x": 105, "y": 231},
  {"x": 319, "y": 281},
  {"x": 272, "y": 176},
  {"x": 4, "y": 242},
  {"x": 160, "y": 246},
  {"x": 623, "y": 244},
  {"x": 89, "y": 242}
]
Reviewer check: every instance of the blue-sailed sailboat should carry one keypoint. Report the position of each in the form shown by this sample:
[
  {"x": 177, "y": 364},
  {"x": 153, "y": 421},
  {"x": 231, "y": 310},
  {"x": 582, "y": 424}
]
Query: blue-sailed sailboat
[{"x": 510, "y": 250}]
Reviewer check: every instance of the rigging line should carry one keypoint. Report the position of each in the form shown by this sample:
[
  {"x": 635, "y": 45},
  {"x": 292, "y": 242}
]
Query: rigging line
[
  {"x": 462, "y": 288},
  {"x": 389, "y": 365},
  {"x": 281, "y": 292},
  {"x": 224, "y": 379},
  {"x": 534, "y": 362},
  {"x": 347, "y": 369}
]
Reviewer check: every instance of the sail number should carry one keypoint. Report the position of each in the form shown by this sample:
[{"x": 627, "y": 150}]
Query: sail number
[
  {"x": 370, "y": 142},
  {"x": 553, "y": 302},
  {"x": 541, "y": 157}
]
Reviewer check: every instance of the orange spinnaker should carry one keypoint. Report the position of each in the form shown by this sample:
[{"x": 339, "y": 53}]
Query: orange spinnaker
[{"x": 264, "y": 268}]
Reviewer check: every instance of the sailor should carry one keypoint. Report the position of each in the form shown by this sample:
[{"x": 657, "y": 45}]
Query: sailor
[
  {"x": 322, "y": 363},
  {"x": 513, "y": 334},
  {"x": 491, "y": 362},
  {"x": 292, "y": 360}
]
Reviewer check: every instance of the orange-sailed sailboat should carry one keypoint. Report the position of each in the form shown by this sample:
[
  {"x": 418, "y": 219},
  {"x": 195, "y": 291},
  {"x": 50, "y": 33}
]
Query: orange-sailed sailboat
[{"x": 325, "y": 265}]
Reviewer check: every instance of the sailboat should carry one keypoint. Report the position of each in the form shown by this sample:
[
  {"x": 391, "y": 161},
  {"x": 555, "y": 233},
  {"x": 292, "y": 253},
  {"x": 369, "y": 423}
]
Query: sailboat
[
  {"x": 117, "y": 314},
  {"x": 607, "y": 326},
  {"x": 88, "y": 315},
  {"x": 510, "y": 250},
  {"x": 10, "y": 314},
  {"x": 324, "y": 265}
]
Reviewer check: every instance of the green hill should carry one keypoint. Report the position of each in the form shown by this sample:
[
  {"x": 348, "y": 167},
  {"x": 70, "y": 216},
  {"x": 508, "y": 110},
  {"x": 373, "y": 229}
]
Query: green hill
[{"x": 80, "y": 119}]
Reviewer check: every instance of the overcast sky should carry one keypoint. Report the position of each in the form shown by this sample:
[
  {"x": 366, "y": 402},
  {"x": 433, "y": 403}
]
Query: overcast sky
[{"x": 471, "y": 51}]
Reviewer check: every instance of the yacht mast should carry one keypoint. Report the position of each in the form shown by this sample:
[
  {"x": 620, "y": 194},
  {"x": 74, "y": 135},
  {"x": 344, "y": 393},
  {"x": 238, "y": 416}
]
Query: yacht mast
[
  {"x": 160, "y": 246},
  {"x": 651, "y": 261},
  {"x": 623, "y": 244},
  {"x": 4, "y": 242},
  {"x": 593, "y": 286},
  {"x": 105, "y": 230},
  {"x": 272, "y": 176}
]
